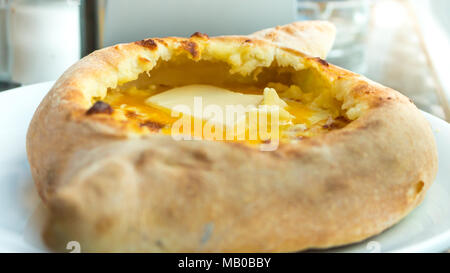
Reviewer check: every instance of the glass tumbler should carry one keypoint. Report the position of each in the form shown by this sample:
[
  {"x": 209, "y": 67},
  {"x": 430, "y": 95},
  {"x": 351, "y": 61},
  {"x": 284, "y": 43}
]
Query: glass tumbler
[
  {"x": 351, "y": 18},
  {"x": 45, "y": 38},
  {"x": 4, "y": 41}
]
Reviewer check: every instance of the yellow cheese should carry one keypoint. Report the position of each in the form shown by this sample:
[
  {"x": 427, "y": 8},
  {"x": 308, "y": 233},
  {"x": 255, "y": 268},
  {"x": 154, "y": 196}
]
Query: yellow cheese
[{"x": 280, "y": 108}]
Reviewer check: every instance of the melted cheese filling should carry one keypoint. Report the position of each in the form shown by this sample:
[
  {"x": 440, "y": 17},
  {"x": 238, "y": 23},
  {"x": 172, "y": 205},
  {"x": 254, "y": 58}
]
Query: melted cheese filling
[{"x": 152, "y": 109}]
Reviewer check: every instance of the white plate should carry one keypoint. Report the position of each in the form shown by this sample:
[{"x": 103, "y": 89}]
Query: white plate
[{"x": 426, "y": 229}]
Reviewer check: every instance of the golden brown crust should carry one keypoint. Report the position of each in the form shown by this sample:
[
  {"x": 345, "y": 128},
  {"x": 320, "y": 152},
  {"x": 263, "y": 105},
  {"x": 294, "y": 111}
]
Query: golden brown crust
[
  {"x": 314, "y": 38},
  {"x": 114, "y": 190}
]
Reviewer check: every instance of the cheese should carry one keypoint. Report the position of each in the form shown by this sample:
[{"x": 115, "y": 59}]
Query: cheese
[
  {"x": 271, "y": 98},
  {"x": 278, "y": 108},
  {"x": 193, "y": 100}
]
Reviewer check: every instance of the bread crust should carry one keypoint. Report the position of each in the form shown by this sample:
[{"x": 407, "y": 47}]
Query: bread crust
[
  {"x": 114, "y": 190},
  {"x": 314, "y": 38}
]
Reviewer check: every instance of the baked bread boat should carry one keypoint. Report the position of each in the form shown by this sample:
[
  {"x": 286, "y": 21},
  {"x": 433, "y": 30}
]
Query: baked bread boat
[{"x": 351, "y": 159}]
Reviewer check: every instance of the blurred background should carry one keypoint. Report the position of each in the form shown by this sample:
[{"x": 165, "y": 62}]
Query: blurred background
[{"x": 403, "y": 44}]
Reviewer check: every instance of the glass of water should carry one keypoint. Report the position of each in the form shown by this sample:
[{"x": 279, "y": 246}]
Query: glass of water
[
  {"x": 351, "y": 18},
  {"x": 4, "y": 41}
]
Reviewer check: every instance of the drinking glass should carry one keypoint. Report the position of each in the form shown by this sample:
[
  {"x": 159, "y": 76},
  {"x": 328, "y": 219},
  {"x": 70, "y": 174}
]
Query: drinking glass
[
  {"x": 351, "y": 18},
  {"x": 4, "y": 41},
  {"x": 45, "y": 38}
]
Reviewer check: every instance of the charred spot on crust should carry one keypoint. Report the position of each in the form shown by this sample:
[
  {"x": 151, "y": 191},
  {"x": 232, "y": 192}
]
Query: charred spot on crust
[
  {"x": 190, "y": 47},
  {"x": 151, "y": 125},
  {"x": 160, "y": 41},
  {"x": 131, "y": 114},
  {"x": 148, "y": 43},
  {"x": 343, "y": 119},
  {"x": 248, "y": 41},
  {"x": 332, "y": 126},
  {"x": 321, "y": 61},
  {"x": 199, "y": 35},
  {"x": 100, "y": 107},
  {"x": 337, "y": 123}
]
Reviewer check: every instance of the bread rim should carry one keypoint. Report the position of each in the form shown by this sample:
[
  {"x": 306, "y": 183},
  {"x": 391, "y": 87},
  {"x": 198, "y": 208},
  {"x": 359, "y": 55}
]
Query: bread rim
[{"x": 329, "y": 190}]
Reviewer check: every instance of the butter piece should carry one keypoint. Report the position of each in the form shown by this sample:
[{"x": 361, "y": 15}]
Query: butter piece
[
  {"x": 193, "y": 99},
  {"x": 271, "y": 98}
]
